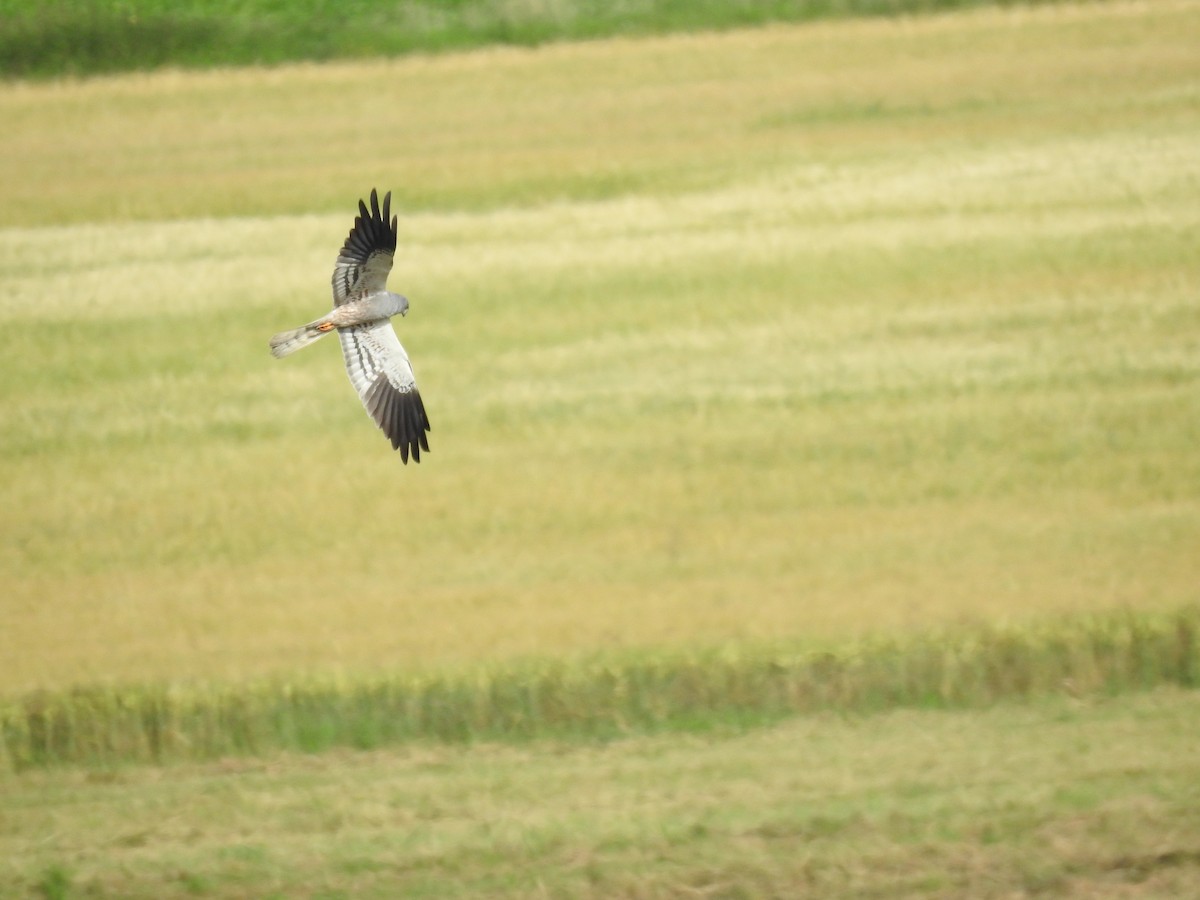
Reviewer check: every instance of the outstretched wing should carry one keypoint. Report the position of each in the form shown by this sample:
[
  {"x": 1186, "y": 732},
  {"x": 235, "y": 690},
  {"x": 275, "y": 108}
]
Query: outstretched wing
[
  {"x": 380, "y": 372},
  {"x": 366, "y": 258}
]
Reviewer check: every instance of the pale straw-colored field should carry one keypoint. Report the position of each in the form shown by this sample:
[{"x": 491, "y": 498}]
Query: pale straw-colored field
[{"x": 791, "y": 334}]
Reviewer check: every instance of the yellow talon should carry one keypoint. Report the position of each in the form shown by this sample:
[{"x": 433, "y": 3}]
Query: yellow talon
[{"x": 325, "y": 326}]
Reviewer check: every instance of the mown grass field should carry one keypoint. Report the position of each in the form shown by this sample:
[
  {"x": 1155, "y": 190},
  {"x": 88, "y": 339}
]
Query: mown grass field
[
  {"x": 1053, "y": 799},
  {"x": 735, "y": 346}
]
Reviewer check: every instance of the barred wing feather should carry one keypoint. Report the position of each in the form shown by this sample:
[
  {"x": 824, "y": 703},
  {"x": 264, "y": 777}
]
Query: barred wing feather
[{"x": 382, "y": 376}]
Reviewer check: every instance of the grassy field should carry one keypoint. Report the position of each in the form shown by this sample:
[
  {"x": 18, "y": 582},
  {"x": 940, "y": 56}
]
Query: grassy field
[
  {"x": 1054, "y": 799},
  {"x": 606, "y": 696},
  {"x": 903, "y": 342},
  {"x": 748, "y": 350}
]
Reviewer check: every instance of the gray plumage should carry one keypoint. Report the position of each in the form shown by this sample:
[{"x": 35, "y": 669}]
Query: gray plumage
[{"x": 362, "y": 309}]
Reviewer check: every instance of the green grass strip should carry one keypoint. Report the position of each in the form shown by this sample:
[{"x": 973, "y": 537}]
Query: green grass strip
[
  {"x": 85, "y": 37},
  {"x": 596, "y": 699}
]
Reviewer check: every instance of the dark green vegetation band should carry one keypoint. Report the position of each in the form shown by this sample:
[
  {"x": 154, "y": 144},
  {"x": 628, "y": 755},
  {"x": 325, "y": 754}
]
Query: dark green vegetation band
[
  {"x": 86, "y": 37},
  {"x": 593, "y": 699}
]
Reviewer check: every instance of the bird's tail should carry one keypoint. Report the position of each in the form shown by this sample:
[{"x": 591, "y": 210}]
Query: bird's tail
[{"x": 288, "y": 342}]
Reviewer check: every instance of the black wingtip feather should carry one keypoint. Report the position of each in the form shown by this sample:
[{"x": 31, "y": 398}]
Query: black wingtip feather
[
  {"x": 401, "y": 416},
  {"x": 374, "y": 229}
]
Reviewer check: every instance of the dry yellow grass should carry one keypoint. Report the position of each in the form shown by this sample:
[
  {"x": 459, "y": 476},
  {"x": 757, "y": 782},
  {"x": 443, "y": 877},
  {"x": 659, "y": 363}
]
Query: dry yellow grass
[
  {"x": 652, "y": 115},
  {"x": 810, "y": 331}
]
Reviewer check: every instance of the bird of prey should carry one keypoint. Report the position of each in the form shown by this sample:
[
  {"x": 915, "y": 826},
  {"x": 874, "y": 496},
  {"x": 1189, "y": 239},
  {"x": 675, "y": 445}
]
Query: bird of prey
[{"x": 362, "y": 309}]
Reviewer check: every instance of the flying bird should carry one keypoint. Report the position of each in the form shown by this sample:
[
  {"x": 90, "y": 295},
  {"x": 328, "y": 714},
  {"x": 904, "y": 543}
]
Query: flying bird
[{"x": 362, "y": 310}]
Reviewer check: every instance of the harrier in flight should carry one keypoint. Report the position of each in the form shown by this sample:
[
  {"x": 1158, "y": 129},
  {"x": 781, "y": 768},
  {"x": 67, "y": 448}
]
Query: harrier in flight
[{"x": 362, "y": 310}]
